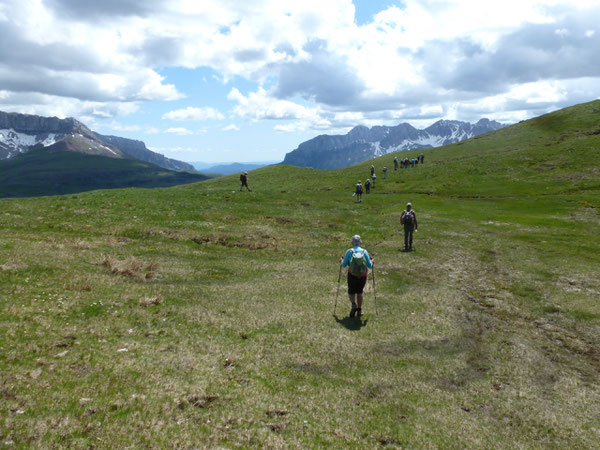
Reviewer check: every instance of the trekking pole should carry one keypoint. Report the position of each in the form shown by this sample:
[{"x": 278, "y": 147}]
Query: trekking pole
[
  {"x": 374, "y": 291},
  {"x": 338, "y": 289}
]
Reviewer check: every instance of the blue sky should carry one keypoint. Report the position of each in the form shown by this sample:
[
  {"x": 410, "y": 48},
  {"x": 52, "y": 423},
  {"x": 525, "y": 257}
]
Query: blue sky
[{"x": 232, "y": 80}]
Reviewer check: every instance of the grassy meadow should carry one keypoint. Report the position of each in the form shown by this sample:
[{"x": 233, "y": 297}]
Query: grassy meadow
[{"x": 199, "y": 316}]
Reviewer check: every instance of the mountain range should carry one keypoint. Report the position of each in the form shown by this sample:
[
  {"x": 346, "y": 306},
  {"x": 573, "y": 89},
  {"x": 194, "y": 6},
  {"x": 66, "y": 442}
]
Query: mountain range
[
  {"x": 49, "y": 156},
  {"x": 362, "y": 143},
  {"x": 19, "y": 133}
]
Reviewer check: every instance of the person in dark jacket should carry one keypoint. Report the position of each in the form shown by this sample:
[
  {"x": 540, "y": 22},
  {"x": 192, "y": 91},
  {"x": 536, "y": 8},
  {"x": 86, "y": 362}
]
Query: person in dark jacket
[
  {"x": 358, "y": 192},
  {"x": 244, "y": 180},
  {"x": 409, "y": 220}
]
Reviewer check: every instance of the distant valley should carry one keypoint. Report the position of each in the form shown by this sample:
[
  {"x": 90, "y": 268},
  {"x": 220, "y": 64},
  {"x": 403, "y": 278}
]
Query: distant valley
[{"x": 230, "y": 168}]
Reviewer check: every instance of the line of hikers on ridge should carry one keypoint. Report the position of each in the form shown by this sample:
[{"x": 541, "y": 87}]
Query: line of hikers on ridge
[{"x": 370, "y": 182}]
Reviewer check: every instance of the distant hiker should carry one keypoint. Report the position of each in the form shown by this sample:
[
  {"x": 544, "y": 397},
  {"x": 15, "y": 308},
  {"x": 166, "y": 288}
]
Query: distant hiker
[
  {"x": 368, "y": 186},
  {"x": 417, "y": 160},
  {"x": 384, "y": 172},
  {"x": 422, "y": 157},
  {"x": 406, "y": 163},
  {"x": 372, "y": 170},
  {"x": 244, "y": 180},
  {"x": 395, "y": 163},
  {"x": 358, "y": 192},
  {"x": 409, "y": 220},
  {"x": 358, "y": 262},
  {"x": 374, "y": 178},
  {"x": 412, "y": 163}
]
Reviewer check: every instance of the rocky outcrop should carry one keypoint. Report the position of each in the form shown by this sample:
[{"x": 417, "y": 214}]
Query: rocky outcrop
[{"x": 138, "y": 150}]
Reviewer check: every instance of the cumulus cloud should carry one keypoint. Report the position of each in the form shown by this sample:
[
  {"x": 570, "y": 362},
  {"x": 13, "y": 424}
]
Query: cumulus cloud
[
  {"x": 180, "y": 131},
  {"x": 231, "y": 127},
  {"x": 197, "y": 114},
  {"x": 316, "y": 67},
  {"x": 260, "y": 105}
]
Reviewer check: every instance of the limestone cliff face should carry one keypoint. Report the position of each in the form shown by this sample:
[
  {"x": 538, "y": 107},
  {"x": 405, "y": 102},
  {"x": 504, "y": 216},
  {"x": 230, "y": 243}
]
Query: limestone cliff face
[
  {"x": 137, "y": 150},
  {"x": 30, "y": 124}
]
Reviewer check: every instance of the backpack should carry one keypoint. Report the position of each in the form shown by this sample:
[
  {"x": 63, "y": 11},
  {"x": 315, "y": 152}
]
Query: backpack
[
  {"x": 409, "y": 218},
  {"x": 359, "y": 189},
  {"x": 358, "y": 263}
]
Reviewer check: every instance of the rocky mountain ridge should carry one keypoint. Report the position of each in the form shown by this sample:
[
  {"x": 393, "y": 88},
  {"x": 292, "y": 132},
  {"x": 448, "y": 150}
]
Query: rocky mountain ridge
[
  {"x": 21, "y": 132},
  {"x": 362, "y": 143}
]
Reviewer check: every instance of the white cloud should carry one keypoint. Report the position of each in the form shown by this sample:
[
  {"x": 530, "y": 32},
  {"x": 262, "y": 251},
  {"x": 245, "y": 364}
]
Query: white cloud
[
  {"x": 196, "y": 114},
  {"x": 259, "y": 105},
  {"x": 179, "y": 131},
  {"x": 98, "y": 60},
  {"x": 52, "y": 105},
  {"x": 231, "y": 127},
  {"x": 118, "y": 126}
]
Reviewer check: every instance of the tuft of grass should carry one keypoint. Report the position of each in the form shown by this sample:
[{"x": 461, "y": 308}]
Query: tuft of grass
[
  {"x": 131, "y": 267},
  {"x": 149, "y": 301}
]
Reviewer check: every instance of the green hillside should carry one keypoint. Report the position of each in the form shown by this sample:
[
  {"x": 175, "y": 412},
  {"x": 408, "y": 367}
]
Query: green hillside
[
  {"x": 200, "y": 316},
  {"x": 47, "y": 172}
]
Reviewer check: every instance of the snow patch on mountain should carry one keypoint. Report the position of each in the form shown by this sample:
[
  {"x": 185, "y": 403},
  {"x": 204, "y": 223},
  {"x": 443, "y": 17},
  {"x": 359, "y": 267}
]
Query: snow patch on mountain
[{"x": 17, "y": 142}]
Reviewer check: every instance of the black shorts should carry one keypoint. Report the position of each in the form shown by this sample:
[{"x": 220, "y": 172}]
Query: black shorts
[{"x": 356, "y": 284}]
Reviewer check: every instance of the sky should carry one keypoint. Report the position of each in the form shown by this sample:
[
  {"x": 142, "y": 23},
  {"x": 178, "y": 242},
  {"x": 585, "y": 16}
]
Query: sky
[{"x": 238, "y": 80}]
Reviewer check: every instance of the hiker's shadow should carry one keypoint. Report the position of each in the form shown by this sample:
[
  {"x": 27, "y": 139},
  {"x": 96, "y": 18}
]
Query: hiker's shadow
[{"x": 352, "y": 323}]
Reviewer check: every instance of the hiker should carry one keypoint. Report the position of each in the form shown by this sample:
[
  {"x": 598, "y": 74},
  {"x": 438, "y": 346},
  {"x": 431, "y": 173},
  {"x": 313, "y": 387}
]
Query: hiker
[
  {"x": 406, "y": 163},
  {"x": 422, "y": 157},
  {"x": 384, "y": 172},
  {"x": 368, "y": 186},
  {"x": 412, "y": 163},
  {"x": 358, "y": 262},
  {"x": 358, "y": 192},
  {"x": 409, "y": 220},
  {"x": 372, "y": 170},
  {"x": 395, "y": 163},
  {"x": 374, "y": 178},
  {"x": 244, "y": 180}
]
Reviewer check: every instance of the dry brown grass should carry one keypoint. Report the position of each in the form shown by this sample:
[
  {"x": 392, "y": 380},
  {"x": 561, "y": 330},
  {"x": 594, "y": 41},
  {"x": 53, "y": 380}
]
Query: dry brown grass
[
  {"x": 131, "y": 267},
  {"x": 149, "y": 301},
  {"x": 79, "y": 244},
  {"x": 254, "y": 241},
  {"x": 11, "y": 264}
]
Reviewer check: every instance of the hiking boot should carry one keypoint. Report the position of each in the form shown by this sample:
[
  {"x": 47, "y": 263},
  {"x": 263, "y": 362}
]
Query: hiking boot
[
  {"x": 358, "y": 312},
  {"x": 353, "y": 311}
]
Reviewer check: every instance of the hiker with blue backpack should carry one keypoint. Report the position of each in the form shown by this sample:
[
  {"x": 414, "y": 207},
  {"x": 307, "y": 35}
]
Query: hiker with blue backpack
[{"x": 358, "y": 262}]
